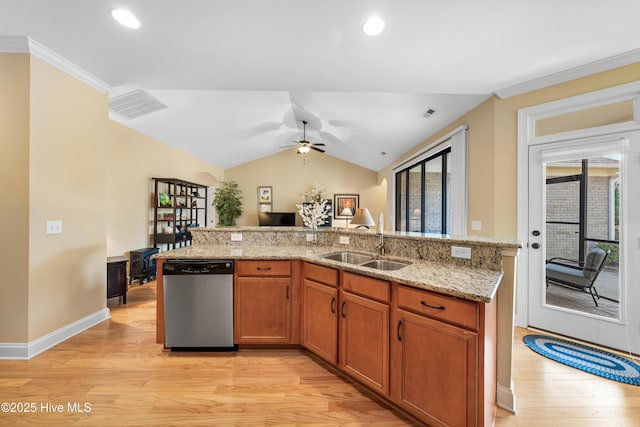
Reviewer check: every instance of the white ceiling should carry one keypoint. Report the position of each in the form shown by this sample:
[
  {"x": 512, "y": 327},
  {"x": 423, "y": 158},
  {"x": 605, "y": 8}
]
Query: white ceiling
[{"x": 239, "y": 76}]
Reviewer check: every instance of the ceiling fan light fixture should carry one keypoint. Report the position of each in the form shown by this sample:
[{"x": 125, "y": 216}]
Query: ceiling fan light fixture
[
  {"x": 373, "y": 26},
  {"x": 303, "y": 149},
  {"x": 125, "y": 18}
]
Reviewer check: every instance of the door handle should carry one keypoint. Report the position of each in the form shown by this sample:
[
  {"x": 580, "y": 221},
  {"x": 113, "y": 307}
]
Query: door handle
[
  {"x": 333, "y": 305},
  {"x": 342, "y": 309},
  {"x": 399, "y": 326}
]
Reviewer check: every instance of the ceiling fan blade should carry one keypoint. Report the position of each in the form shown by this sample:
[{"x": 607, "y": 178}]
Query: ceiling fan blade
[
  {"x": 317, "y": 149},
  {"x": 288, "y": 146},
  {"x": 319, "y": 144}
]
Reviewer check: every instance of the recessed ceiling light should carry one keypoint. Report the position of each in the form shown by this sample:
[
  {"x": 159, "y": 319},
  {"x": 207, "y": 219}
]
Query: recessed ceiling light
[
  {"x": 373, "y": 26},
  {"x": 126, "y": 18}
]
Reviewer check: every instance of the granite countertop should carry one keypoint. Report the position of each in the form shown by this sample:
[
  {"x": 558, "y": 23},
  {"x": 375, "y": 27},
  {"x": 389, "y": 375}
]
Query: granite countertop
[{"x": 474, "y": 284}]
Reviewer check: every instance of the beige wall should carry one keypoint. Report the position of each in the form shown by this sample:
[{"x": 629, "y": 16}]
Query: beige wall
[
  {"x": 63, "y": 159},
  {"x": 481, "y": 178},
  {"x": 14, "y": 172},
  {"x": 68, "y": 181},
  {"x": 291, "y": 175},
  {"x": 134, "y": 159}
]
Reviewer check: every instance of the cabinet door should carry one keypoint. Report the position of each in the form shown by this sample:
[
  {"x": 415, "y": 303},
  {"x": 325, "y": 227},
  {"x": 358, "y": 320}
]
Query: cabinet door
[
  {"x": 364, "y": 340},
  {"x": 262, "y": 310},
  {"x": 319, "y": 320},
  {"x": 434, "y": 370}
]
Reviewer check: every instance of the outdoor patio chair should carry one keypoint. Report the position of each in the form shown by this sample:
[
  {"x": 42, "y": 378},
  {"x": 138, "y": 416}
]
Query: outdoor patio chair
[{"x": 576, "y": 274}]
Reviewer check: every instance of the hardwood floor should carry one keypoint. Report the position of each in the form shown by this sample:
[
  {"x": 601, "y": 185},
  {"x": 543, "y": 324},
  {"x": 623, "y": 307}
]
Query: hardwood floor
[
  {"x": 551, "y": 394},
  {"x": 127, "y": 379}
]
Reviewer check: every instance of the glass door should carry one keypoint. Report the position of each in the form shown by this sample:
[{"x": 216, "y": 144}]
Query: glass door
[{"x": 583, "y": 223}]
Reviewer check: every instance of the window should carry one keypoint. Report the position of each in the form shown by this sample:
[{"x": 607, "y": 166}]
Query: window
[
  {"x": 432, "y": 185},
  {"x": 423, "y": 197}
]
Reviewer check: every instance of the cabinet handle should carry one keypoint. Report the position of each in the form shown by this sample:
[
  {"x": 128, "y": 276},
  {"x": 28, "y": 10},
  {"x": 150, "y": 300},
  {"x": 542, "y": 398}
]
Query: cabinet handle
[
  {"x": 287, "y": 292},
  {"x": 441, "y": 307},
  {"x": 263, "y": 268},
  {"x": 399, "y": 326},
  {"x": 342, "y": 309},
  {"x": 333, "y": 305}
]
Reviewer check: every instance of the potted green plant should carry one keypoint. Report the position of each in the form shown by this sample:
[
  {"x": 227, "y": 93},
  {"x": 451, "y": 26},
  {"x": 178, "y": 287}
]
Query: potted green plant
[{"x": 228, "y": 203}]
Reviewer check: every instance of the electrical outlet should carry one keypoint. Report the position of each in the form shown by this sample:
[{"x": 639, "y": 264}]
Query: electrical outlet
[
  {"x": 310, "y": 237},
  {"x": 54, "y": 227},
  {"x": 236, "y": 237},
  {"x": 476, "y": 225},
  {"x": 460, "y": 252},
  {"x": 344, "y": 240}
]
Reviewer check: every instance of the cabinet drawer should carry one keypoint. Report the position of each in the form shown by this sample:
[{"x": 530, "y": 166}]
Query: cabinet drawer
[
  {"x": 321, "y": 274},
  {"x": 459, "y": 312},
  {"x": 366, "y": 286},
  {"x": 263, "y": 268}
]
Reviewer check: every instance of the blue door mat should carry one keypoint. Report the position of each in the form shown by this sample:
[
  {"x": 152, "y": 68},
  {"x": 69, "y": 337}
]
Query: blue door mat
[{"x": 588, "y": 359}]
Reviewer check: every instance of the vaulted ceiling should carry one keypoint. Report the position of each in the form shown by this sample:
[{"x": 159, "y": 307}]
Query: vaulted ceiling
[{"x": 239, "y": 76}]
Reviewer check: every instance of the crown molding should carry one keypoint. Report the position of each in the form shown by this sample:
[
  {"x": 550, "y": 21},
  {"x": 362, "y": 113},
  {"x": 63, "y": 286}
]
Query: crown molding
[
  {"x": 591, "y": 68},
  {"x": 30, "y": 46}
]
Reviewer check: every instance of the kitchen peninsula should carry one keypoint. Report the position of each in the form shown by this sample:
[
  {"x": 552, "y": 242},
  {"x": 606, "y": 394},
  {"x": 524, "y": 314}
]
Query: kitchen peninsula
[{"x": 423, "y": 336}]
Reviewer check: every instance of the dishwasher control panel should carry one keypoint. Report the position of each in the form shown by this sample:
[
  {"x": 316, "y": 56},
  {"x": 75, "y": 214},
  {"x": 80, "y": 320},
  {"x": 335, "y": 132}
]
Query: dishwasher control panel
[{"x": 185, "y": 267}]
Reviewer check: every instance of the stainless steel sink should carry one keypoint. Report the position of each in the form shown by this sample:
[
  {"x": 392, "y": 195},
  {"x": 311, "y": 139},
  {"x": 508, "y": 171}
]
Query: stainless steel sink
[
  {"x": 348, "y": 257},
  {"x": 384, "y": 264}
]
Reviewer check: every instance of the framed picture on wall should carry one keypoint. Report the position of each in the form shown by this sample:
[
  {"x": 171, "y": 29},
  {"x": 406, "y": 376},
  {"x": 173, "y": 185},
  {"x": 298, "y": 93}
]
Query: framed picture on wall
[
  {"x": 345, "y": 205},
  {"x": 265, "y": 195}
]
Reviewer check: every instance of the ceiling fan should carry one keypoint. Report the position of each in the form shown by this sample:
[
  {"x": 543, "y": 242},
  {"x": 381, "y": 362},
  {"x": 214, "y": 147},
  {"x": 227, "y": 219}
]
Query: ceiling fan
[{"x": 305, "y": 146}]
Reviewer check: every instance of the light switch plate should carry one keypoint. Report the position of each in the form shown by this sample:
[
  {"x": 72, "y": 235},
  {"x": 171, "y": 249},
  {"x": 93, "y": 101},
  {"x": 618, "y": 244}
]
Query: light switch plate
[
  {"x": 460, "y": 252},
  {"x": 476, "y": 225},
  {"x": 236, "y": 237},
  {"x": 344, "y": 240},
  {"x": 54, "y": 227}
]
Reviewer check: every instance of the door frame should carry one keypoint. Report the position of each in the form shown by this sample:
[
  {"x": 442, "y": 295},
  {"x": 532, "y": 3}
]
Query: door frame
[{"x": 526, "y": 137}]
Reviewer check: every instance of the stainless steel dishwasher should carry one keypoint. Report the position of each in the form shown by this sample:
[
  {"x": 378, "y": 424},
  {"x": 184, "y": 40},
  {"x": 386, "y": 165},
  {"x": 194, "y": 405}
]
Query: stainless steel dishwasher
[{"x": 198, "y": 304}]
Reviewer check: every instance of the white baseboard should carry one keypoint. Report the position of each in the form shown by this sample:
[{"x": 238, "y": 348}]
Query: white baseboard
[
  {"x": 25, "y": 351},
  {"x": 506, "y": 398}
]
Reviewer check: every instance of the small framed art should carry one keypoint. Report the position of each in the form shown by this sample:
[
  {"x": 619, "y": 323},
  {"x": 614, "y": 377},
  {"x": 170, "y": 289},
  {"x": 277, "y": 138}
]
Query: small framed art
[
  {"x": 345, "y": 205},
  {"x": 265, "y": 195}
]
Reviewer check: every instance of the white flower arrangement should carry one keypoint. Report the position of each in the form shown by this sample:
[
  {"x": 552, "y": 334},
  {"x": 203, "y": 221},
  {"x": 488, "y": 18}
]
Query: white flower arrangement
[{"x": 314, "y": 214}]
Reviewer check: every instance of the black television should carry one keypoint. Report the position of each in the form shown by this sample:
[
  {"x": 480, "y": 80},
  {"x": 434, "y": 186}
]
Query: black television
[{"x": 277, "y": 219}]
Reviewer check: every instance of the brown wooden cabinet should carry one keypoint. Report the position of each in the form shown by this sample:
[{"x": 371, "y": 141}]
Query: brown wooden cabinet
[
  {"x": 438, "y": 371},
  {"x": 364, "y": 330},
  {"x": 319, "y": 311},
  {"x": 263, "y": 295}
]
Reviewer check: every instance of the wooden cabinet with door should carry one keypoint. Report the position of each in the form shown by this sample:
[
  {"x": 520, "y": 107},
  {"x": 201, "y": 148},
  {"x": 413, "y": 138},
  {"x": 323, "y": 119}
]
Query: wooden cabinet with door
[
  {"x": 443, "y": 358},
  {"x": 319, "y": 311},
  {"x": 263, "y": 302},
  {"x": 364, "y": 330}
]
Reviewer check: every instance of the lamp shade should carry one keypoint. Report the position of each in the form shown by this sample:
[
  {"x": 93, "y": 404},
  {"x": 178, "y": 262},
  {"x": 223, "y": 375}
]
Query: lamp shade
[{"x": 363, "y": 218}]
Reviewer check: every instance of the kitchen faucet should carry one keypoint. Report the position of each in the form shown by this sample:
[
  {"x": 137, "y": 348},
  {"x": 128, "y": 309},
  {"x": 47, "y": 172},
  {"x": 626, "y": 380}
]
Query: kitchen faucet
[{"x": 380, "y": 246}]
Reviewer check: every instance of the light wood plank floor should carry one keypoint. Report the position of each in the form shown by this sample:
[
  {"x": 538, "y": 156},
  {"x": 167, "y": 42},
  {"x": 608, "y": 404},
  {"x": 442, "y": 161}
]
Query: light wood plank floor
[{"x": 126, "y": 379}]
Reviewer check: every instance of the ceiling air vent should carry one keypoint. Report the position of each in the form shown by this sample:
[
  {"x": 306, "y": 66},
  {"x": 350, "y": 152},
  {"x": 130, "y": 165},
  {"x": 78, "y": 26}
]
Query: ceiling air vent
[{"x": 136, "y": 103}]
